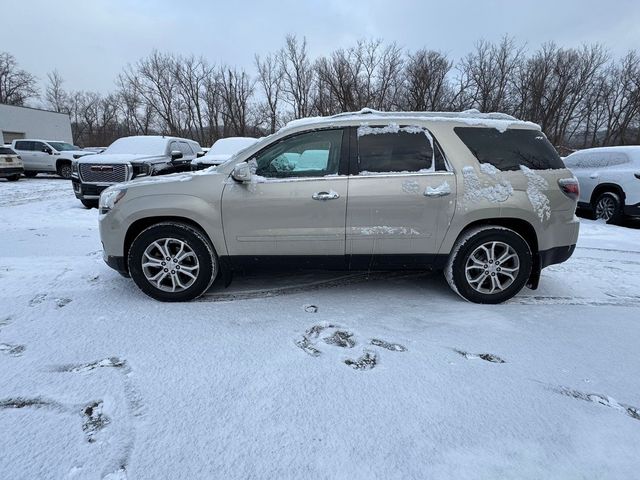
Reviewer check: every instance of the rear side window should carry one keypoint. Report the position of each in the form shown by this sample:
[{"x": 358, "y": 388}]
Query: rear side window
[
  {"x": 394, "y": 149},
  {"x": 596, "y": 159},
  {"x": 510, "y": 149},
  {"x": 24, "y": 145},
  {"x": 6, "y": 151}
]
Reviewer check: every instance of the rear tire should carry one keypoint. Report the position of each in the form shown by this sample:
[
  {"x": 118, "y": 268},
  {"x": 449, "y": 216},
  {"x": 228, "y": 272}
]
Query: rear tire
[
  {"x": 14, "y": 178},
  {"x": 30, "y": 174},
  {"x": 90, "y": 203},
  {"x": 608, "y": 207},
  {"x": 191, "y": 268},
  {"x": 489, "y": 264}
]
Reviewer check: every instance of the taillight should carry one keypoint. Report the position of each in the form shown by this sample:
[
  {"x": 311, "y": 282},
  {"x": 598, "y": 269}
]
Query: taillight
[{"x": 570, "y": 187}]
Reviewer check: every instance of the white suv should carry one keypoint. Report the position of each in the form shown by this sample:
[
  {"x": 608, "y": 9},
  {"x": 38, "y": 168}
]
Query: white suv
[
  {"x": 609, "y": 180},
  {"x": 47, "y": 156}
]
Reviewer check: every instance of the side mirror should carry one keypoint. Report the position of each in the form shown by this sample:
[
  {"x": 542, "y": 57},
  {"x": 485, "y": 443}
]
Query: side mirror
[
  {"x": 241, "y": 173},
  {"x": 176, "y": 155},
  {"x": 46, "y": 149},
  {"x": 199, "y": 154}
]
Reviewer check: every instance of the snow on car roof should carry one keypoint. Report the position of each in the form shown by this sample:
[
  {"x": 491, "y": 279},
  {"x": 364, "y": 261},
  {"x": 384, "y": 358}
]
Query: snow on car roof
[
  {"x": 141, "y": 144},
  {"x": 230, "y": 145},
  {"x": 500, "y": 121}
]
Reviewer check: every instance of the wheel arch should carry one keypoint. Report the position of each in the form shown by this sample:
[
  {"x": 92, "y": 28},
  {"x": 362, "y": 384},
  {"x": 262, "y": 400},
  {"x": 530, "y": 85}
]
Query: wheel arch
[
  {"x": 606, "y": 187},
  {"x": 142, "y": 224},
  {"x": 522, "y": 228}
]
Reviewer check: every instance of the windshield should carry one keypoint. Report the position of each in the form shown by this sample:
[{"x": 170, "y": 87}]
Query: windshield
[
  {"x": 139, "y": 146},
  {"x": 62, "y": 146}
]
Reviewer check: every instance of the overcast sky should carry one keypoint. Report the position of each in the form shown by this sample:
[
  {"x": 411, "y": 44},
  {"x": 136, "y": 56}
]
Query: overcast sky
[{"x": 89, "y": 41}]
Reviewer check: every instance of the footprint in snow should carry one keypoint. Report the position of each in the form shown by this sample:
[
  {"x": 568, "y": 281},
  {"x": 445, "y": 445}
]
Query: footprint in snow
[
  {"x": 604, "y": 400},
  {"x": 487, "y": 357},
  {"x": 394, "y": 347},
  {"x": 61, "y": 302},
  {"x": 311, "y": 309},
  {"x": 37, "y": 300},
  {"x": 340, "y": 338},
  {"x": 366, "y": 362},
  {"x": 311, "y": 345},
  {"x": 13, "y": 350},
  {"x": 94, "y": 420},
  {"x": 111, "y": 362}
]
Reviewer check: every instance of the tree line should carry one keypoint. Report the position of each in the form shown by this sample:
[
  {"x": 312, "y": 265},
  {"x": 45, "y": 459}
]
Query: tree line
[{"x": 581, "y": 97}]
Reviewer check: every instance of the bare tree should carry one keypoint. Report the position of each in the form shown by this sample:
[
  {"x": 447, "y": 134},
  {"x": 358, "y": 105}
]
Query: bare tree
[
  {"x": 270, "y": 80},
  {"x": 297, "y": 76},
  {"x": 55, "y": 95},
  {"x": 426, "y": 81},
  {"x": 16, "y": 85},
  {"x": 236, "y": 88}
]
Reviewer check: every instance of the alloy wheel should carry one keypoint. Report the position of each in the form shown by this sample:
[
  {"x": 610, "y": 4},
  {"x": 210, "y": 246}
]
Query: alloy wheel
[{"x": 492, "y": 267}]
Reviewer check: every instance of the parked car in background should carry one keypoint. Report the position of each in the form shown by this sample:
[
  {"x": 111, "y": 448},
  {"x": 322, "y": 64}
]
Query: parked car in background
[
  {"x": 484, "y": 197},
  {"x": 609, "y": 180},
  {"x": 221, "y": 151},
  {"x": 94, "y": 149},
  {"x": 10, "y": 164},
  {"x": 47, "y": 156},
  {"x": 128, "y": 158}
]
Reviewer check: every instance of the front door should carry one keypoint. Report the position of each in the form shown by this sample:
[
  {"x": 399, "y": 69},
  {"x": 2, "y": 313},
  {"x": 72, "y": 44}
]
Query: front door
[
  {"x": 295, "y": 205},
  {"x": 401, "y": 198}
]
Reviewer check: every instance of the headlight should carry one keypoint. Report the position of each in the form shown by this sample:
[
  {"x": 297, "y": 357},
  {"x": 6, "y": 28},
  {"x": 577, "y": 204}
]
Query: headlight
[
  {"x": 110, "y": 197},
  {"x": 76, "y": 156},
  {"x": 74, "y": 168}
]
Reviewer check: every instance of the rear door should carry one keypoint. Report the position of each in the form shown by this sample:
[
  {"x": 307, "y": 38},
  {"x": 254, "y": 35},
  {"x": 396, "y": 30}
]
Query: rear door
[
  {"x": 24, "y": 148},
  {"x": 401, "y": 197},
  {"x": 295, "y": 205}
]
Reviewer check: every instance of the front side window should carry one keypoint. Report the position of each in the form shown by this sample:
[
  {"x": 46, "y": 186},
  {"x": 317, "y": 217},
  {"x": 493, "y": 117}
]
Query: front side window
[
  {"x": 312, "y": 154},
  {"x": 185, "y": 148},
  {"x": 511, "y": 148},
  {"x": 62, "y": 146},
  {"x": 394, "y": 149},
  {"x": 38, "y": 146}
]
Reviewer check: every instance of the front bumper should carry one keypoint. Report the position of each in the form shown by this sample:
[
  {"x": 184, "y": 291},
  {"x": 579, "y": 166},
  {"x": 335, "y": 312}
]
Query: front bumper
[
  {"x": 119, "y": 264},
  {"x": 88, "y": 191},
  {"x": 632, "y": 210}
]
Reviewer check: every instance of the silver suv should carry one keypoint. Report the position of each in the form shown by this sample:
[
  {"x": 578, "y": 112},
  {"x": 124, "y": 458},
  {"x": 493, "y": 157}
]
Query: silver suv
[{"x": 484, "y": 197}]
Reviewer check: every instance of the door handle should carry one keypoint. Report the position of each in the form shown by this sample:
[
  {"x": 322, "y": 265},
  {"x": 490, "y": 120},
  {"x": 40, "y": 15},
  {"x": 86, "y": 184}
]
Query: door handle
[
  {"x": 325, "y": 195},
  {"x": 436, "y": 194}
]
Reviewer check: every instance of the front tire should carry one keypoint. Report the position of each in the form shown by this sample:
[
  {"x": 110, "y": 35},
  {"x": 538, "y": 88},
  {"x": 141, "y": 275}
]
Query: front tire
[
  {"x": 172, "y": 262},
  {"x": 608, "y": 207},
  {"x": 489, "y": 265}
]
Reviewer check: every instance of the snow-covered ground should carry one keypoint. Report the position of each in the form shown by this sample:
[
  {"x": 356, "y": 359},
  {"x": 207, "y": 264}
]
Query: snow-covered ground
[{"x": 308, "y": 376}]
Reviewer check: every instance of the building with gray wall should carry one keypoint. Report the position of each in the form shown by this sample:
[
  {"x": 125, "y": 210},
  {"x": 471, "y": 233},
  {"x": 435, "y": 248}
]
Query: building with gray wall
[{"x": 26, "y": 122}]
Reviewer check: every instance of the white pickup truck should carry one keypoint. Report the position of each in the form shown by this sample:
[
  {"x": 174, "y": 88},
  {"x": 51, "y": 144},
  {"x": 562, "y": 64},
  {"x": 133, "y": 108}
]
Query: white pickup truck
[{"x": 47, "y": 156}]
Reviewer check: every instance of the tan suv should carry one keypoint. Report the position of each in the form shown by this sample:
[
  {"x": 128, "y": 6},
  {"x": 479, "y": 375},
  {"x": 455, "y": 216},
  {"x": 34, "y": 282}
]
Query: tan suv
[{"x": 484, "y": 197}]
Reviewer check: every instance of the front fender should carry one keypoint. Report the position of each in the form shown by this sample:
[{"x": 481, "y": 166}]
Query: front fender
[{"x": 115, "y": 224}]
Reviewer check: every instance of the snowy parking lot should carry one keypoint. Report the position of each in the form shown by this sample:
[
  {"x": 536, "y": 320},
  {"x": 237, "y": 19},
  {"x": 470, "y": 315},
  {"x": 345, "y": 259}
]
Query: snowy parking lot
[{"x": 316, "y": 375}]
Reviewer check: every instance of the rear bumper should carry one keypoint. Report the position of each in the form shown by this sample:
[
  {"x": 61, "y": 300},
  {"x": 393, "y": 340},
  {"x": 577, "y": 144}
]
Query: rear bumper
[
  {"x": 555, "y": 255},
  {"x": 6, "y": 172}
]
